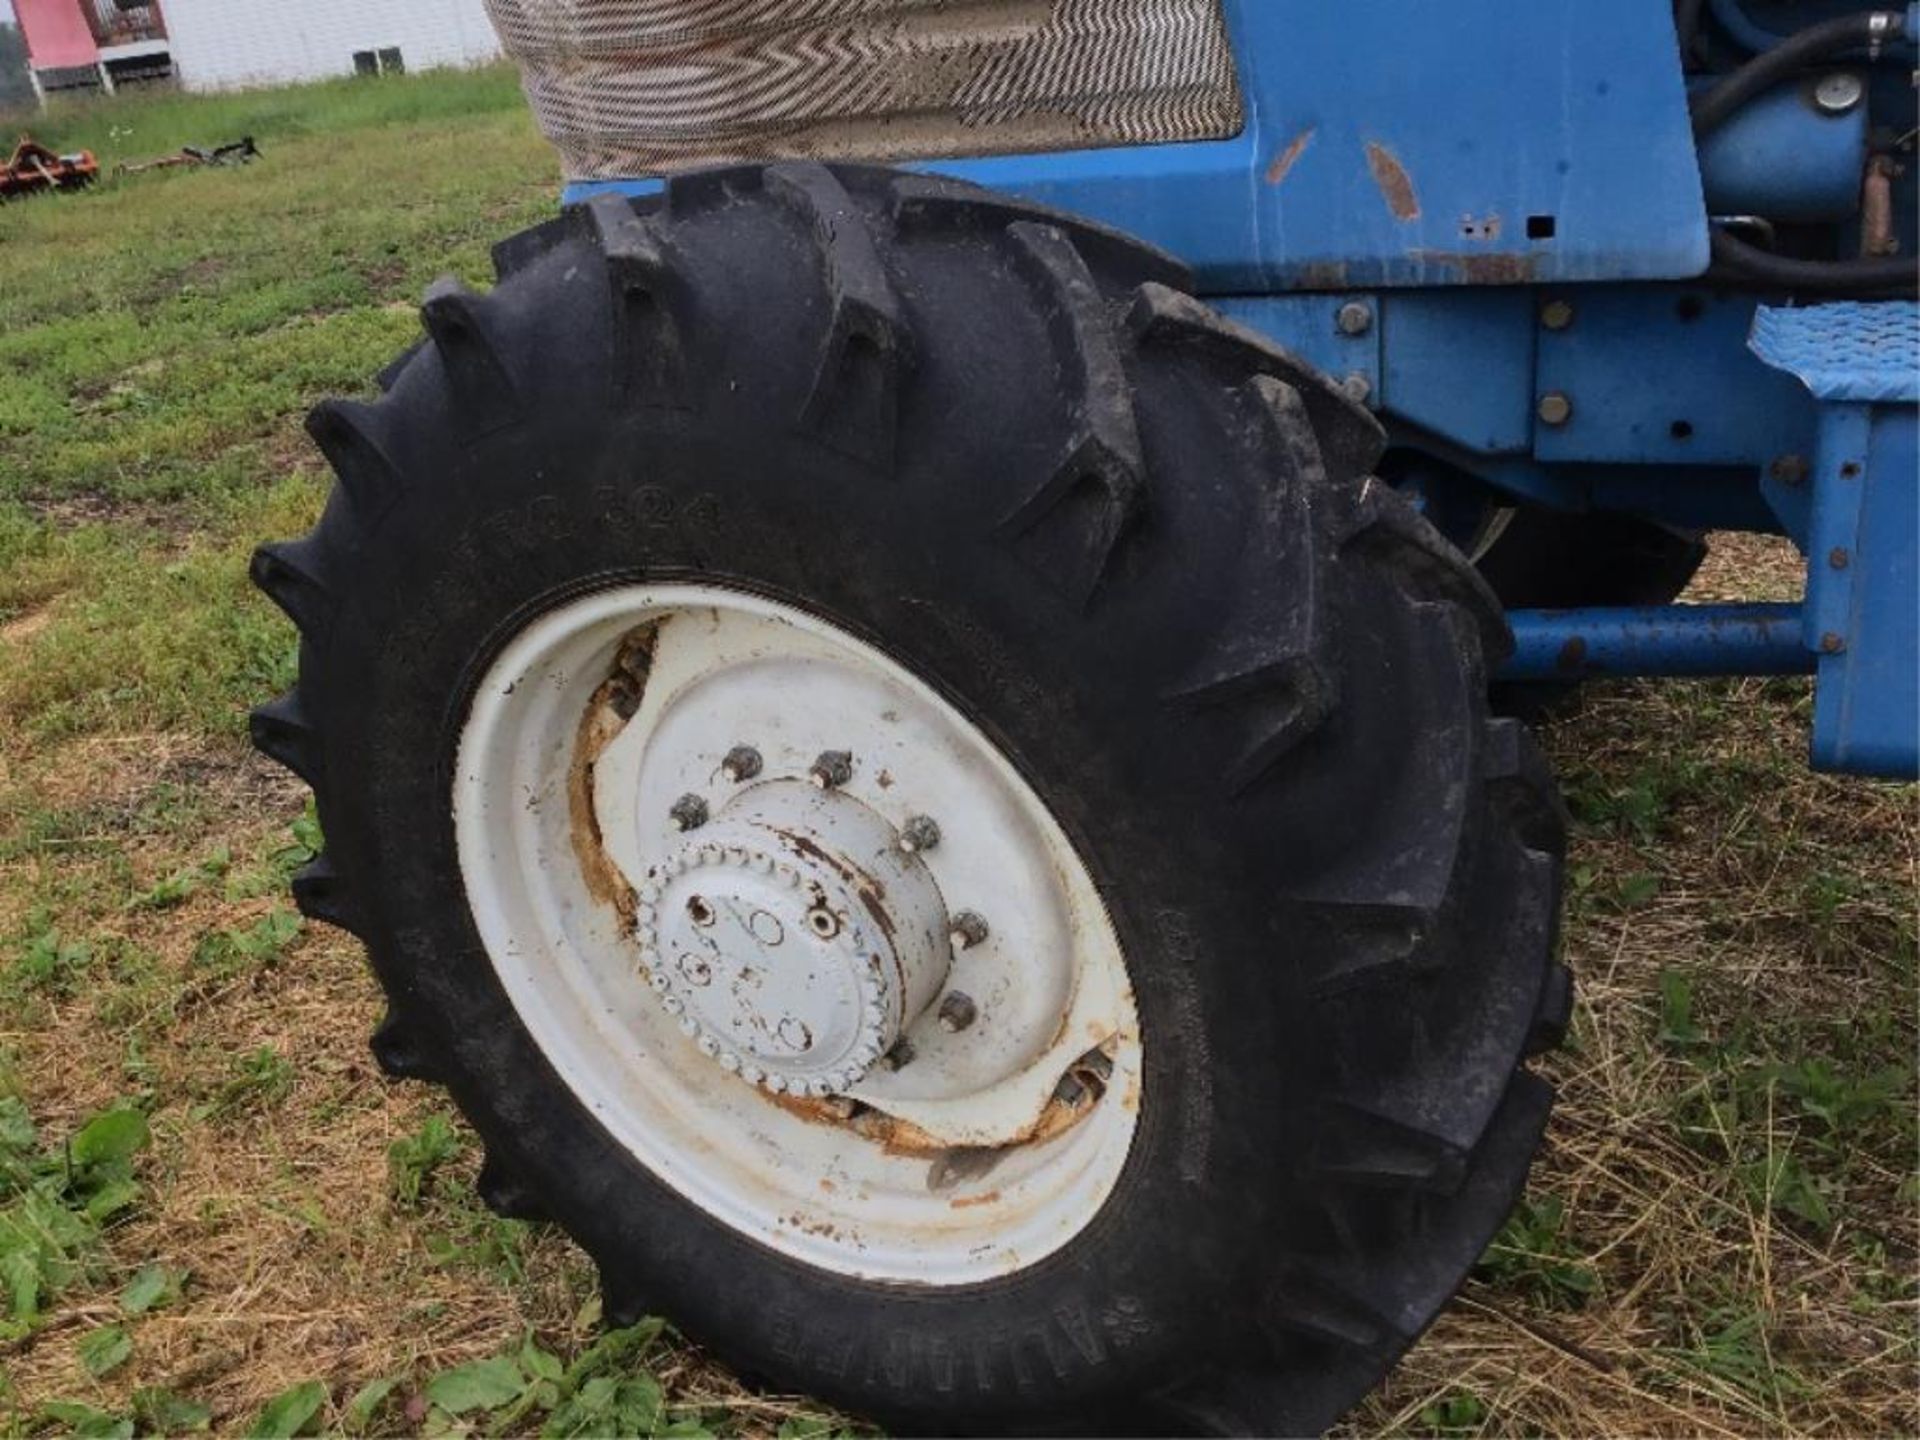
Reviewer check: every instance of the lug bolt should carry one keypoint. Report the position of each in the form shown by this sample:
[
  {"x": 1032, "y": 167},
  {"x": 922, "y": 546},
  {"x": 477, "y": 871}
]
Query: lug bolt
[
  {"x": 689, "y": 812},
  {"x": 1071, "y": 1091},
  {"x": 957, "y": 1012},
  {"x": 899, "y": 1057},
  {"x": 1838, "y": 558},
  {"x": 1832, "y": 643},
  {"x": 742, "y": 763},
  {"x": 1357, "y": 387},
  {"x": 921, "y": 832},
  {"x": 1353, "y": 318},
  {"x": 831, "y": 769},
  {"x": 967, "y": 930},
  {"x": 1556, "y": 314},
  {"x": 1838, "y": 93},
  {"x": 1555, "y": 408}
]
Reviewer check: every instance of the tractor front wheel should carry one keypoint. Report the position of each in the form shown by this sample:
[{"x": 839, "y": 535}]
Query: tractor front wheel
[{"x": 927, "y": 810}]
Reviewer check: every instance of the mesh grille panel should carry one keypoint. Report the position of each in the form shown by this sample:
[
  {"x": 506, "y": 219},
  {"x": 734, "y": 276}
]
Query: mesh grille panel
[{"x": 637, "y": 87}]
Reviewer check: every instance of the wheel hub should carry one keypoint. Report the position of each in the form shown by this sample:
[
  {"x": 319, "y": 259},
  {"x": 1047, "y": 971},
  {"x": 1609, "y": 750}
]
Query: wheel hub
[{"x": 795, "y": 938}]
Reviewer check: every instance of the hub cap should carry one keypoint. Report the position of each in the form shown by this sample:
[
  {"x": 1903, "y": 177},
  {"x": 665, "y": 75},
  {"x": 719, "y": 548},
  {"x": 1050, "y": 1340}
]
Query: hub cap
[
  {"x": 795, "y": 939},
  {"x": 796, "y": 934}
]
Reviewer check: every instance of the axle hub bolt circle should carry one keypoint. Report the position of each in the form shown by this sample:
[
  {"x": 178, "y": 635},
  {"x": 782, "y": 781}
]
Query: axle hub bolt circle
[
  {"x": 968, "y": 930},
  {"x": 689, "y": 812},
  {"x": 921, "y": 832},
  {"x": 795, "y": 939},
  {"x": 742, "y": 763},
  {"x": 957, "y": 1012},
  {"x": 831, "y": 769}
]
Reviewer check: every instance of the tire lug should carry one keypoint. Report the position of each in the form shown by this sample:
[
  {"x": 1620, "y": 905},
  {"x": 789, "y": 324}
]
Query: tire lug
[
  {"x": 742, "y": 764},
  {"x": 689, "y": 812},
  {"x": 967, "y": 930},
  {"x": 957, "y": 1012},
  {"x": 831, "y": 769},
  {"x": 921, "y": 832}
]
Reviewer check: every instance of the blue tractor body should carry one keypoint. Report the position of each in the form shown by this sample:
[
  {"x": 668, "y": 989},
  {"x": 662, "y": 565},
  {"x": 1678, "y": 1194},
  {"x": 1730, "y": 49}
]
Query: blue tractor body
[{"x": 1494, "y": 223}]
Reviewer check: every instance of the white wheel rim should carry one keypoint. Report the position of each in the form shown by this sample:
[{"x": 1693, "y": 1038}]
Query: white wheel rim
[{"x": 675, "y": 979}]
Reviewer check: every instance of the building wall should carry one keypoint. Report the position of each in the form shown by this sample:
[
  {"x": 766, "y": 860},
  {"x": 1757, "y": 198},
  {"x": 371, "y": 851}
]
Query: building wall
[
  {"x": 223, "y": 44},
  {"x": 57, "y": 33}
]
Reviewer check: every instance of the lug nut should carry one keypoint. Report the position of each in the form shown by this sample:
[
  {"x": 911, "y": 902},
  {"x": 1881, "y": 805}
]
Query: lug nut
[
  {"x": 921, "y": 832},
  {"x": 742, "y": 763},
  {"x": 689, "y": 812},
  {"x": 967, "y": 930},
  {"x": 1556, "y": 314},
  {"x": 957, "y": 1012},
  {"x": 899, "y": 1057},
  {"x": 1357, "y": 387},
  {"x": 832, "y": 768},
  {"x": 1353, "y": 318},
  {"x": 1555, "y": 408}
]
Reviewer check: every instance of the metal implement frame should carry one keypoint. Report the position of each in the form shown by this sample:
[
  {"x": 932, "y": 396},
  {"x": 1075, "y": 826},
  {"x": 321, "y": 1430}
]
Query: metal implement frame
[{"x": 1492, "y": 223}]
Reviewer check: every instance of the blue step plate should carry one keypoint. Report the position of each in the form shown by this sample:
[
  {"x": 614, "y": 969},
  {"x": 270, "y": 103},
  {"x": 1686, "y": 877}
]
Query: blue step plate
[{"x": 1861, "y": 361}]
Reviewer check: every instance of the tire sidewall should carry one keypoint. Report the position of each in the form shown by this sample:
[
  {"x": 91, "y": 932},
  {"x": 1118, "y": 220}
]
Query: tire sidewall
[{"x": 1146, "y": 1287}]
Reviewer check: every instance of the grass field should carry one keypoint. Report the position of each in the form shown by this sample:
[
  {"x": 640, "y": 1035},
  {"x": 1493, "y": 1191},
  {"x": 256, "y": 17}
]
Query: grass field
[{"x": 213, "y": 1210}]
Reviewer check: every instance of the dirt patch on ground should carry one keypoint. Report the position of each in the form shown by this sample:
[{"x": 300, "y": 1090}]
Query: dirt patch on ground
[{"x": 23, "y": 628}]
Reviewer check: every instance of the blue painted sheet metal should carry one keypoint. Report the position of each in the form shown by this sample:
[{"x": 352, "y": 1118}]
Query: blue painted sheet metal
[
  {"x": 1860, "y": 518},
  {"x": 1661, "y": 376},
  {"x": 1785, "y": 158},
  {"x": 1847, "y": 350},
  {"x": 1434, "y": 340},
  {"x": 1863, "y": 591},
  {"x": 1397, "y": 142},
  {"x": 1657, "y": 640},
  {"x": 1406, "y": 143}
]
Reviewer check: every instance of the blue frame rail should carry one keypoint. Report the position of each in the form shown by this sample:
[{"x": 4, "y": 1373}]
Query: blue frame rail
[{"x": 1658, "y": 640}]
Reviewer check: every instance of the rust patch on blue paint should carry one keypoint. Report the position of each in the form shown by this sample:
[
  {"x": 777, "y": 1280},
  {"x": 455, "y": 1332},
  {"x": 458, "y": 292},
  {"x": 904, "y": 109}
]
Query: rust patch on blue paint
[
  {"x": 1396, "y": 186},
  {"x": 1284, "y": 162}
]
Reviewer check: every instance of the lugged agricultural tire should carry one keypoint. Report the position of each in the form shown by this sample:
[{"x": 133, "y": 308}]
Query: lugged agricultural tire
[{"x": 1138, "y": 548}]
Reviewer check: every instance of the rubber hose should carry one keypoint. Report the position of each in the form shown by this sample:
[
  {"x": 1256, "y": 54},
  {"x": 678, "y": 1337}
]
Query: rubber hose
[
  {"x": 1686, "y": 23},
  {"x": 1751, "y": 37},
  {"x": 1714, "y": 107},
  {"x": 1852, "y": 277}
]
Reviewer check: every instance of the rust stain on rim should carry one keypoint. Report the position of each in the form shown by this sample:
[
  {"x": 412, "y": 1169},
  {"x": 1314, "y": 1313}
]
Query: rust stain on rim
[
  {"x": 1284, "y": 162},
  {"x": 1396, "y": 186}
]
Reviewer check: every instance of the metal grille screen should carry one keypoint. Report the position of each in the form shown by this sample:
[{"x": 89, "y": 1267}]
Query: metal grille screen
[{"x": 637, "y": 87}]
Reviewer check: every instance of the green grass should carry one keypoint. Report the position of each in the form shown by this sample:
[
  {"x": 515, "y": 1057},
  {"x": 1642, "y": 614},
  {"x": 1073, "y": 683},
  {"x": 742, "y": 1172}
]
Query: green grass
[{"x": 1719, "y": 1236}]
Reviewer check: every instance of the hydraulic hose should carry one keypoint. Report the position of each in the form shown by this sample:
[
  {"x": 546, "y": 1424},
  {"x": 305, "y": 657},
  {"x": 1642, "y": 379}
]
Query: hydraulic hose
[
  {"x": 1686, "y": 23},
  {"x": 1713, "y": 107},
  {"x": 1852, "y": 277}
]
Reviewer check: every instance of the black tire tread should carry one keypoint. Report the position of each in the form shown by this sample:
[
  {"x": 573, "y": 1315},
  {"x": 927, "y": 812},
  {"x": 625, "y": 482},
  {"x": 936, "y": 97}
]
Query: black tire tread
[{"x": 1410, "y": 1196}]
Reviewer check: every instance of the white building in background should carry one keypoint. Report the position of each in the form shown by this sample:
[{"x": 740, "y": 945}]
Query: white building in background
[{"x": 227, "y": 44}]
